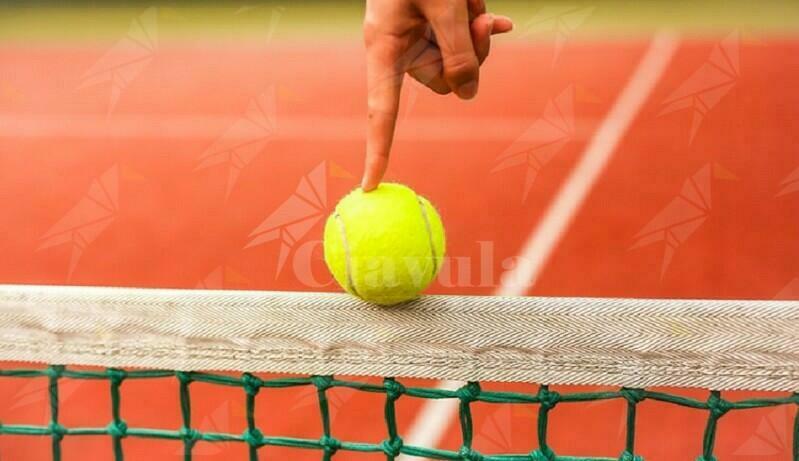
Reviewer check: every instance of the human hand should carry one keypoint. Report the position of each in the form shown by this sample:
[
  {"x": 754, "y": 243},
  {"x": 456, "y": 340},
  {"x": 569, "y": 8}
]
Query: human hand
[{"x": 440, "y": 43}]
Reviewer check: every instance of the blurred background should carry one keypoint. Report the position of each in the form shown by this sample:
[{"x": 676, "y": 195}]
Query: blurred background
[{"x": 202, "y": 145}]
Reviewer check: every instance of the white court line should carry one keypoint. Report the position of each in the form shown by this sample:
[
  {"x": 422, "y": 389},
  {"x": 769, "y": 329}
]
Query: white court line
[{"x": 428, "y": 429}]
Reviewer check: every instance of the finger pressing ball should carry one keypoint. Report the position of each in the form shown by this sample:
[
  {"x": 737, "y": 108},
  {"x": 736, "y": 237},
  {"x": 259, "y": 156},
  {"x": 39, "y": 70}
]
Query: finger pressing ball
[{"x": 384, "y": 246}]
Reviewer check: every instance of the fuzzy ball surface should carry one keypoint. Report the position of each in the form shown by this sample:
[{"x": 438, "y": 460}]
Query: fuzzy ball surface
[{"x": 384, "y": 246}]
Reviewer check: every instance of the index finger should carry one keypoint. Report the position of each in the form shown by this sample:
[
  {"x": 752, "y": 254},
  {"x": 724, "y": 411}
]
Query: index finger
[{"x": 384, "y": 75}]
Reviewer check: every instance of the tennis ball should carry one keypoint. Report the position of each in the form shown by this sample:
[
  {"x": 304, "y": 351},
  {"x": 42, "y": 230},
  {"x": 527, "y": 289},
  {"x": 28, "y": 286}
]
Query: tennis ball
[{"x": 384, "y": 246}]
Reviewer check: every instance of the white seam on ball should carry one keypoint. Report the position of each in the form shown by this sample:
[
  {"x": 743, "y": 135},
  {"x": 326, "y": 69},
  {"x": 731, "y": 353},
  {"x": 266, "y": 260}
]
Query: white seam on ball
[
  {"x": 347, "y": 253},
  {"x": 429, "y": 236}
]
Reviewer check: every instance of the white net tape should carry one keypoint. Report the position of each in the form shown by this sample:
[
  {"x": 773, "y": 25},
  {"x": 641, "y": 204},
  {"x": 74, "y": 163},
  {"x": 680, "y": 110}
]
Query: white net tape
[{"x": 621, "y": 342}]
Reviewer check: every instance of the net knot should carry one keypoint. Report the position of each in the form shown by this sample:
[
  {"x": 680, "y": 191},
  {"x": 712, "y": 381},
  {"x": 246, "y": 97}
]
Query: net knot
[
  {"x": 189, "y": 435},
  {"x": 467, "y": 454},
  {"x": 543, "y": 454},
  {"x": 322, "y": 383},
  {"x": 116, "y": 375},
  {"x": 254, "y": 437},
  {"x": 184, "y": 377},
  {"x": 252, "y": 384},
  {"x": 118, "y": 429},
  {"x": 627, "y": 456},
  {"x": 392, "y": 447},
  {"x": 54, "y": 371},
  {"x": 57, "y": 431},
  {"x": 393, "y": 389},
  {"x": 469, "y": 392},
  {"x": 330, "y": 444},
  {"x": 718, "y": 406},
  {"x": 632, "y": 395},
  {"x": 548, "y": 398}
]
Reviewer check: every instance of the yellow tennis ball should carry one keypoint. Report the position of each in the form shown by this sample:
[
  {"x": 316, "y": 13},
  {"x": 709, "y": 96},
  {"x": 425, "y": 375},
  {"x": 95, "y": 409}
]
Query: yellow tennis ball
[{"x": 384, "y": 246}]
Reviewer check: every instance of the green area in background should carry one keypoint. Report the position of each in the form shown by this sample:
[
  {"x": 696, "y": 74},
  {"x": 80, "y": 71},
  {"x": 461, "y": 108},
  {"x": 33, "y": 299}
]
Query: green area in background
[{"x": 291, "y": 19}]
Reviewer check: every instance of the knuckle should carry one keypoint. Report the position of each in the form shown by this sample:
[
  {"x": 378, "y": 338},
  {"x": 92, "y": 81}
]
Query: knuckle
[
  {"x": 440, "y": 89},
  {"x": 378, "y": 113},
  {"x": 370, "y": 32},
  {"x": 461, "y": 67}
]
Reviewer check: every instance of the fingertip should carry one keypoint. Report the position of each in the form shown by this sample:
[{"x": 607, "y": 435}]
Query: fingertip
[
  {"x": 367, "y": 186},
  {"x": 467, "y": 90},
  {"x": 502, "y": 24},
  {"x": 369, "y": 181},
  {"x": 374, "y": 170}
]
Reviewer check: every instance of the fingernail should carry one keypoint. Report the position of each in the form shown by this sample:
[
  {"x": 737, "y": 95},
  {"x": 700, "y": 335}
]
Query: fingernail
[
  {"x": 490, "y": 23},
  {"x": 468, "y": 90},
  {"x": 366, "y": 186}
]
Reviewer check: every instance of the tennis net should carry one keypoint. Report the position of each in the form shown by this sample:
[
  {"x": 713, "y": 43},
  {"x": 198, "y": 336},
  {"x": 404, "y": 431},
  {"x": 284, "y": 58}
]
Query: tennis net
[{"x": 631, "y": 344}]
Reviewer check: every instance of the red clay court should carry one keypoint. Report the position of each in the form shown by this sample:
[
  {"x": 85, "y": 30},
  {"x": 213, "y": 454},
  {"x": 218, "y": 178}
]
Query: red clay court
[{"x": 142, "y": 159}]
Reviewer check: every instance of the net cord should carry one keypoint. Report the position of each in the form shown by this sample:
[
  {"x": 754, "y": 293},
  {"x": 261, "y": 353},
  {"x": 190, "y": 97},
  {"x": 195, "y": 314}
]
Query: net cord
[{"x": 637, "y": 343}]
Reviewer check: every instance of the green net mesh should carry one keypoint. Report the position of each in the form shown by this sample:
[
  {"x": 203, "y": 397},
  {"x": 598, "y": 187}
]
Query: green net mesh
[{"x": 392, "y": 446}]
